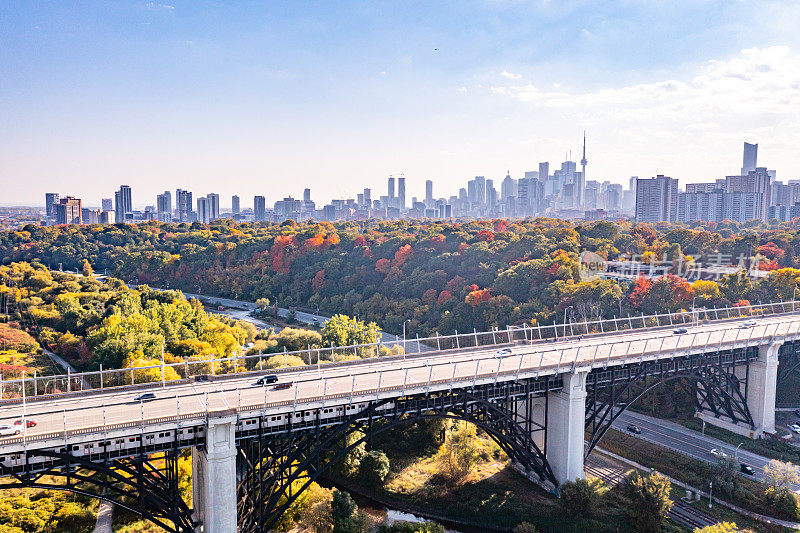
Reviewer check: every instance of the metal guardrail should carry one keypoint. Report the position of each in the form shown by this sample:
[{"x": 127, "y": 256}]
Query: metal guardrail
[
  {"x": 125, "y": 378},
  {"x": 586, "y": 364}
]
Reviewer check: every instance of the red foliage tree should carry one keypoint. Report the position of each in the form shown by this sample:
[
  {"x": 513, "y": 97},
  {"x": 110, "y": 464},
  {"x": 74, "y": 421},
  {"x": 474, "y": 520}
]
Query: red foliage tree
[
  {"x": 429, "y": 296},
  {"x": 318, "y": 282},
  {"x": 477, "y": 297},
  {"x": 383, "y": 266},
  {"x": 485, "y": 235},
  {"x": 444, "y": 297}
]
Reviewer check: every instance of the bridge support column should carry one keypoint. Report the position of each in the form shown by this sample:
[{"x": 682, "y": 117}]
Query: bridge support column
[
  {"x": 214, "y": 476},
  {"x": 762, "y": 382},
  {"x": 565, "y": 427},
  {"x": 762, "y": 385}
]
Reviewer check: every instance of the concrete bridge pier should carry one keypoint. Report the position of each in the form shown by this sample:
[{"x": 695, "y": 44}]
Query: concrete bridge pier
[
  {"x": 214, "y": 476},
  {"x": 762, "y": 379},
  {"x": 565, "y": 427}
]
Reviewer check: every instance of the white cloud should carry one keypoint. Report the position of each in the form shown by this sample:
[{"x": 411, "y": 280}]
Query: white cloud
[{"x": 511, "y": 75}]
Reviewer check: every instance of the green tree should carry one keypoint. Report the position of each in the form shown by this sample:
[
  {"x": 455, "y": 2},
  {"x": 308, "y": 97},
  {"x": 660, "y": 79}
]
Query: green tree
[
  {"x": 722, "y": 527},
  {"x": 86, "y": 269},
  {"x": 342, "y": 330},
  {"x": 578, "y": 498},
  {"x": 648, "y": 500},
  {"x": 374, "y": 466},
  {"x": 459, "y": 453},
  {"x": 345, "y": 515}
]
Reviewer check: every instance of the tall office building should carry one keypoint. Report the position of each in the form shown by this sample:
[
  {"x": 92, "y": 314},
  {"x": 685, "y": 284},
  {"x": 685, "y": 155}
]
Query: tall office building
[
  {"x": 508, "y": 188},
  {"x": 183, "y": 204},
  {"x": 213, "y": 206},
  {"x": 306, "y": 195},
  {"x": 50, "y": 201},
  {"x": 259, "y": 208},
  {"x": 203, "y": 210},
  {"x": 580, "y": 181},
  {"x": 390, "y": 190},
  {"x": 491, "y": 194},
  {"x": 235, "y": 209},
  {"x": 429, "y": 193},
  {"x": 164, "y": 207},
  {"x": 368, "y": 197},
  {"x": 68, "y": 211},
  {"x": 656, "y": 199},
  {"x": 123, "y": 207},
  {"x": 749, "y": 158},
  {"x": 107, "y": 204},
  {"x": 401, "y": 193}
]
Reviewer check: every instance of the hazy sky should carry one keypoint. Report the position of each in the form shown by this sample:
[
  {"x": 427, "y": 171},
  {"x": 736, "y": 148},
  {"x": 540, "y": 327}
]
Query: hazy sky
[{"x": 269, "y": 97}]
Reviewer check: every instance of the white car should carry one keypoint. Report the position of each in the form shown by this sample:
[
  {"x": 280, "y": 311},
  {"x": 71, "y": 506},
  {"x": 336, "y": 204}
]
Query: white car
[
  {"x": 747, "y": 324},
  {"x": 503, "y": 352},
  {"x": 795, "y": 428},
  {"x": 719, "y": 454},
  {"x": 7, "y": 431}
]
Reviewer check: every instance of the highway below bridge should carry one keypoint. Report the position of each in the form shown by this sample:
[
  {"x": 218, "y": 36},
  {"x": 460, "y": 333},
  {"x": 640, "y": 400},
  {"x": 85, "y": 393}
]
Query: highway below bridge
[{"x": 256, "y": 447}]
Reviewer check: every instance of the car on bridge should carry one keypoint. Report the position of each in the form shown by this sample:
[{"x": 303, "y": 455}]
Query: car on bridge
[
  {"x": 747, "y": 469},
  {"x": 29, "y": 422},
  {"x": 503, "y": 352},
  {"x": 747, "y": 324},
  {"x": 8, "y": 431},
  {"x": 680, "y": 331},
  {"x": 145, "y": 397},
  {"x": 266, "y": 380},
  {"x": 283, "y": 386}
]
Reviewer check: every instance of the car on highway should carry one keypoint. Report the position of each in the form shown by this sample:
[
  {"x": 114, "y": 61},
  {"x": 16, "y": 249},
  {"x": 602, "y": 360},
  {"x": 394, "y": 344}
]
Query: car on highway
[
  {"x": 7, "y": 430},
  {"x": 266, "y": 380},
  {"x": 719, "y": 454},
  {"x": 680, "y": 331},
  {"x": 747, "y": 469},
  {"x": 503, "y": 352},
  {"x": 145, "y": 397},
  {"x": 795, "y": 428},
  {"x": 283, "y": 386},
  {"x": 747, "y": 324},
  {"x": 633, "y": 428},
  {"x": 29, "y": 422}
]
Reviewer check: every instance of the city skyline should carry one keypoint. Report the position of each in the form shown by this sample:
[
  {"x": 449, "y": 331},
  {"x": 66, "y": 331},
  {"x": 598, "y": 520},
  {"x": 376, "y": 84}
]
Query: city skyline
[{"x": 338, "y": 95}]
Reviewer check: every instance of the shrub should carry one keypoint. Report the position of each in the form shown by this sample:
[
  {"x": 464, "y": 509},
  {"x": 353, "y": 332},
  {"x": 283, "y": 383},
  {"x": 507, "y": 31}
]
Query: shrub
[
  {"x": 781, "y": 503},
  {"x": 525, "y": 527},
  {"x": 411, "y": 527},
  {"x": 577, "y": 498},
  {"x": 648, "y": 500}
]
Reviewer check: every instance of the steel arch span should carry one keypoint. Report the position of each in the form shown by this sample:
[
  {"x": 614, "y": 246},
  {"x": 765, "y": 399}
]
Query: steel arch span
[
  {"x": 145, "y": 485},
  {"x": 275, "y": 469},
  {"x": 716, "y": 378}
]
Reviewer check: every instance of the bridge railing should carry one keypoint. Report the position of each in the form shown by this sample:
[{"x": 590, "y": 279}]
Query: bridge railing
[{"x": 211, "y": 368}]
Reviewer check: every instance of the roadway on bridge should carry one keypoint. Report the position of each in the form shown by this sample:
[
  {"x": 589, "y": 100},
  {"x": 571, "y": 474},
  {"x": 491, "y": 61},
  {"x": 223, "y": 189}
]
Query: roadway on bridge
[{"x": 77, "y": 412}]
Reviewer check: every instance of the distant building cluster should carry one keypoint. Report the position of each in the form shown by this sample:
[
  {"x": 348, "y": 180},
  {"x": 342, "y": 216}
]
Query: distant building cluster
[
  {"x": 753, "y": 194},
  {"x": 563, "y": 193}
]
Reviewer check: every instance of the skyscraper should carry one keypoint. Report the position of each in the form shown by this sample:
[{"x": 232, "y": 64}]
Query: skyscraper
[
  {"x": 368, "y": 197},
  {"x": 183, "y": 204},
  {"x": 235, "y": 210},
  {"x": 429, "y": 193},
  {"x": 656, "y": 199},
  {"x": 203, "y": 210},
  {"x": 213, "y": 206},
  {"x": 749, "y": 158},
  {"x": 390, "y": 190},
  {"x": 50, "y": 201},
  {"x": 508, "y": 189},
  {"x": 107, "y": 204},
  {"x": 68, "y": 211},
  {"x": 164, "y": 207},
  {"x": 306, "y": 195},
  {"x": 401, "y": 193},
  {"x": 259, "y": 208},
  {"x": 123, "y": 204}
]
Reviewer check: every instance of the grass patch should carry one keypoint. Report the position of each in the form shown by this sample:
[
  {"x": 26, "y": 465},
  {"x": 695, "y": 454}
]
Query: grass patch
[{"x": 767, "y": 448}]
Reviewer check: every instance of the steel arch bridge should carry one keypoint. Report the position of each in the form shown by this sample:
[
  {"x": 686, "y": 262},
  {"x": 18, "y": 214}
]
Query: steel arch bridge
[{"x": 276, "y": 463}]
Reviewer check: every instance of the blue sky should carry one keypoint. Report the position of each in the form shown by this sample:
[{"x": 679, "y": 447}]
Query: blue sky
[{"x": 269, "y": 97}]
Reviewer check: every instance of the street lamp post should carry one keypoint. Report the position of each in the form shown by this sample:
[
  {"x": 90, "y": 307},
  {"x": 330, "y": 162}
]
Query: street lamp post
[
  {"x": 710, "y": 488},
  {"x": 404, "y": 334},
  {"x": 737, "y": 451},
  {"x": 565, "y": 319}
]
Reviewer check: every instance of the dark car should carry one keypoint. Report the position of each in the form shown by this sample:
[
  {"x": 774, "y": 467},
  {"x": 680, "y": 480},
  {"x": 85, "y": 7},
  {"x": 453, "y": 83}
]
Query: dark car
[
  {"x": 145, "y": 397},
  {"x": 634, "y": 429},
  {"x": 797, "y": 412},
  {"x": 266, "y": 380},
  {"x": 679, "y": 331},
  {"x": 747, "y": 469},
  {"x": 282, "y": 386}
]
